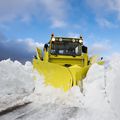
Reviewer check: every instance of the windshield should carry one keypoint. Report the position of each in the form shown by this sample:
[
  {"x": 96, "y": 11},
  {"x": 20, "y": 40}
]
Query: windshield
[{"x": 65, "y": 48}]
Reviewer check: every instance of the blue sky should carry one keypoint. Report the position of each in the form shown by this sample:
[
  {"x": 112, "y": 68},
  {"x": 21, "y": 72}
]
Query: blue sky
[{"x": 25, "y": 24}]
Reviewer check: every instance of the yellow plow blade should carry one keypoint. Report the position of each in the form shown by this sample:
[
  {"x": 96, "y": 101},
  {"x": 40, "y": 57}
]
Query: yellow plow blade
[
  {"x": 60, "y": 76},
  {"x": 54, "y": 75}
]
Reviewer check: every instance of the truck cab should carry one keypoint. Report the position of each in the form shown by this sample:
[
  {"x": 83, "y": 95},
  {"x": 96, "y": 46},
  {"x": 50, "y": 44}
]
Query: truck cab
[{"x": 66, "y": 51}]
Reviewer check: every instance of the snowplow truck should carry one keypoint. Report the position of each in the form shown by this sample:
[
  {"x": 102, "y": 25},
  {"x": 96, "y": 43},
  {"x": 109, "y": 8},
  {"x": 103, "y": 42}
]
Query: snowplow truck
[{"x": 64, "y": 62}]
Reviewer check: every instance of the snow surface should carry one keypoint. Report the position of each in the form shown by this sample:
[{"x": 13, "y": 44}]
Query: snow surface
[
  {"x": 16, "y": 81},
  {"x": 100, "y": 99}
]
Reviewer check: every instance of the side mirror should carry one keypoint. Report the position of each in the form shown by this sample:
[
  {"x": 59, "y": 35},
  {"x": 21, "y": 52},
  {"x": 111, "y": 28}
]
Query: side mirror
[
  {"x": 84, "y": 49},
  {"x": 35, "y": 56},
  {"x": 46, "y": 47},
  {"x": 101, "y": 58}
]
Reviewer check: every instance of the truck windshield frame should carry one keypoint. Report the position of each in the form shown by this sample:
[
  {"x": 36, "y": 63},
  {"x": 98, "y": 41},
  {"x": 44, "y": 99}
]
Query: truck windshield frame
[{"x": 66, "y": 48}]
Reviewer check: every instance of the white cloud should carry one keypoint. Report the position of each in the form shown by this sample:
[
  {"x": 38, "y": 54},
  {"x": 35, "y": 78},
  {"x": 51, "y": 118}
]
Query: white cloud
[
  {"x": 104, "y": 8},
  {"x": 106, "y": 5},
  {"x": 100, "y": 47},
  {"x": 30, "y": 44},
  {"x": 56, "y": 10},
  {"x": 20, "y": 49},
  {"x": 12, "y": 9},
  {"x": 105, "y": 23},
  {"x": 58, "y": 24},
  {"x": 74, "y": 35},
  {"x": 53, "y": 10}
]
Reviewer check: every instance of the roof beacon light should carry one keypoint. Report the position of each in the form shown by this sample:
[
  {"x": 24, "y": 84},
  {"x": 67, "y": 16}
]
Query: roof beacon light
[{"x": 81, "y": 40}]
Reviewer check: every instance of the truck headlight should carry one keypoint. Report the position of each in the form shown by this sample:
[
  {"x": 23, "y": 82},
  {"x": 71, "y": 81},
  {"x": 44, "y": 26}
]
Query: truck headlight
[
  {"x": 80, "y": 41},
  {"x": 60, "y": 39},
  {"x": 73, "y": 40},
  {"x": 53, "y": 39}
]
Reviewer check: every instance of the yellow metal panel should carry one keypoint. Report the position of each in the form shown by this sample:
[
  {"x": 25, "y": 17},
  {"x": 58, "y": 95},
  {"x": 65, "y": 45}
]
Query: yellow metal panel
[
  {"x": 62, "y": 60},
  {"x": 60, "y": 76},
  {"x": 54, "y": 75},
  {"x": 78, "y": 73}
]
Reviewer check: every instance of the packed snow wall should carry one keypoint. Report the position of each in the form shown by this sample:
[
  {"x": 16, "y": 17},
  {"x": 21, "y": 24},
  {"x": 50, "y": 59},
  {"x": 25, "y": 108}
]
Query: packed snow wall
[{"x": 101, "y": 95}]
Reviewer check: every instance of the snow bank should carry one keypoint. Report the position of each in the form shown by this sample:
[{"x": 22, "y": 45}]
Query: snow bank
[
  {"x": 113, "y": 83},
  {"x": 101, "y": 93},
  {"x": 47, "y": 94},
  {"x": 99, "y": 101},
  {"x": 96, "y": 98},
  {"x": 16, "y": 81},
  {"x": 15, "y": 77}
]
